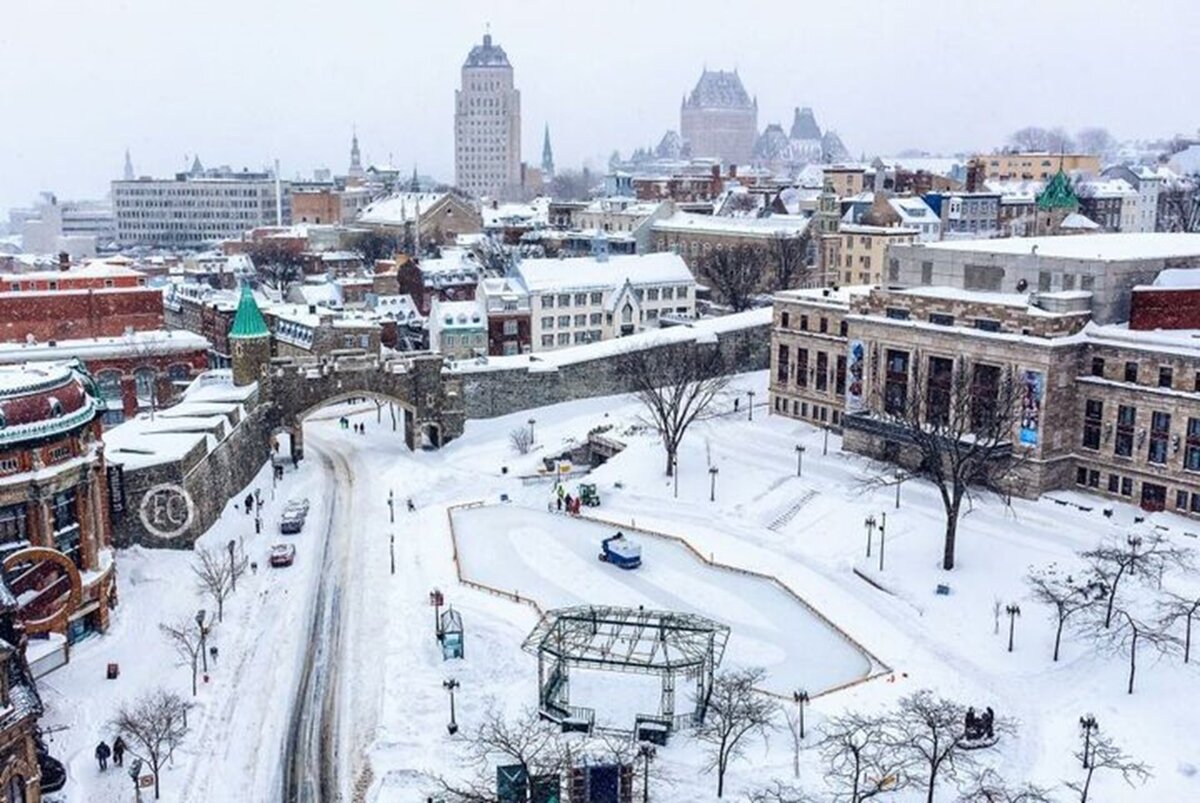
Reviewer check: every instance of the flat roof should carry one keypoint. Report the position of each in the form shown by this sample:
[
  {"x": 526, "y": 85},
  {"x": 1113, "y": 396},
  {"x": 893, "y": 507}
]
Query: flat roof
[{"x": 1098, "y": 247}]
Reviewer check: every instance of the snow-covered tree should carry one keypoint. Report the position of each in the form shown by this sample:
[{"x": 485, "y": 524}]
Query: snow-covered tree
[
  {"x": 1104, "y": 756},
  {"x": 735, "y": 712},
  {"x": 187, "y": 639},
  {"x": 1176, "y": 607},
  {"x": 1135, "y": 557},
  {"x": 154, "y": 726},
  {"x": 930, "y": 731},
  {"x": 521, "y": 439},
  {"x": 989, "y": 787},
  {"x": 1131, "y": 630},
  {"x": 861, "y": 759},
  {"x": 214, "y": 577},
  {"x": 736, "y": 274},
  {"x": 1065, "y": 594}
]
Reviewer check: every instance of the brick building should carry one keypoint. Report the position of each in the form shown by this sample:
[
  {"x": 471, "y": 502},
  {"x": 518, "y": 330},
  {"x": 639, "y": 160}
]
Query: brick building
[
  {"x": 20, "y": 707},
  {"x": 55, "y": 501},
  {"x": 92, "y": 300},
  {"x": 509, "y": 325},
  {"x": 694, "y": 237}
]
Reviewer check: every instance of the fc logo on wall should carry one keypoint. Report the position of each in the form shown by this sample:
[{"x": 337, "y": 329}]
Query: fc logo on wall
[{"x": 167, "y": 510}]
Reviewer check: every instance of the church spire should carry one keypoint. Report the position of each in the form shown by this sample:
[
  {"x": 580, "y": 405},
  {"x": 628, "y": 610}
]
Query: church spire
[
  {"x": 129, "y": 176},
  {"x": 356, "y": 169},
  {"x": 547, "y": 155}
]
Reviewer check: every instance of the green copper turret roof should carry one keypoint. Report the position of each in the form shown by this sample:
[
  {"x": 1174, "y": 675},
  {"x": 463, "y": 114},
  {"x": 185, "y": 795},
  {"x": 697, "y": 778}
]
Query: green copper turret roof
[
  {"x": 1059, "y": 194},
  {"x": 248, "y": 322}
]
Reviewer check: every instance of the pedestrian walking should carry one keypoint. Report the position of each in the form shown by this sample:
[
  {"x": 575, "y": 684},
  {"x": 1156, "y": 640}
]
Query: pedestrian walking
[
  {"x": 212, "y": 653},
  {"x": 558, "y": 501},
  {"x": 253, "y": 567},
  {"x": 102, "y": 754},
  {"x": 249, "y": 503},
  {"x": 118, "y": 752},
  {"x": 411, "y": 506}
]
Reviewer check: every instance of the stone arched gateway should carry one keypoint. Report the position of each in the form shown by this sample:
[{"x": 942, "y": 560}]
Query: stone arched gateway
[{"x": 432, "y": 401}]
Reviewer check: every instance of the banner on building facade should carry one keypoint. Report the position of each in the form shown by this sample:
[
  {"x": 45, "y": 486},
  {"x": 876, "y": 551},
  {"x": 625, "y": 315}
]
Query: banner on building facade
[
  {"x": 855, "y": 370},
  {"x": 116, "y": 490},
  {"x": 1033, "y": 385}
]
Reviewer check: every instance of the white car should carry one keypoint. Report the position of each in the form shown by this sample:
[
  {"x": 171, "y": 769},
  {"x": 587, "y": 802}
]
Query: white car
[{"x": 282, "y": 555}]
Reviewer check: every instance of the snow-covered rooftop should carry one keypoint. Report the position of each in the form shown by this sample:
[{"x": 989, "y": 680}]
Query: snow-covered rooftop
[
  {"x": 164, "y": 341},
  {"x": 401, "y": 207},
  {"x": 1177, "y": 279},
  {"x": 552, "y": 275},
  {"x": 1099, "y": 247},
  {"x": 764, "y": 226}
]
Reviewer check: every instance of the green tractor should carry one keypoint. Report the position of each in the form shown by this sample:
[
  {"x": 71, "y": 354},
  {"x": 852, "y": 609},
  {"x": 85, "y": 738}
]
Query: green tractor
[{"x": 588, "y": 494}]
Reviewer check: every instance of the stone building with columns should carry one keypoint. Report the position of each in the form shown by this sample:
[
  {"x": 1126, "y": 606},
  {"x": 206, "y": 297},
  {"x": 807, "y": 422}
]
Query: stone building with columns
[{"x": 56, "y": 499}]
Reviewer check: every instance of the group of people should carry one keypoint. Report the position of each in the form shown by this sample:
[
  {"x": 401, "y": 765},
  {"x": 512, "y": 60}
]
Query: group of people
[
  {"x": 565, "y": 500},
  {"x": 117, "y": 751},
  {"x": 980, "y": 726},
  {"x": 345, "y": 423}
]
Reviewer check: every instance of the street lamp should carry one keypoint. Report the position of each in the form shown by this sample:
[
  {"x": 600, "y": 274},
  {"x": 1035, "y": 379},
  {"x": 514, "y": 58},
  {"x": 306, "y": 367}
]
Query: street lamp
[
  {"x": 203, "y": 637},
  {"x": 750, "y": 393},
  {"x": 646, "y": 752},
  {"x": 392, "y": 505},
  {"x": 799, "y": 459},
  {"x": 882, "y": 533},
  {"x": 1087, "y": 723},
  {"x": 712, "y": 488},
  {"x": 532, "y": 421},
  {"x": 800, "y": 697},
  {"x": 675, "y": 473},
  {"x": 450, "y": 685},
  {"x": 825, "y": 448},
  {"x": 869, "y": 523},
  {"x": 1013, "y": 612},
  {"x": 899, "y": 481}
]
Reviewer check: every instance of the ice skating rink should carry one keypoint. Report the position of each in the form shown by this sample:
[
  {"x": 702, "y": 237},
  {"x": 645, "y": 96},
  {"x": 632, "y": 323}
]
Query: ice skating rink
[{"x": 553, "y": 559}]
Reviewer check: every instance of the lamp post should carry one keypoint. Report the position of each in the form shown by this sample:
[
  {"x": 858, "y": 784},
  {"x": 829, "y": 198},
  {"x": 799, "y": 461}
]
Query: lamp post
[
  {"x": 800, "y": 697},
  {"x": 675, "y": 473},
  {"x": 869, "y": 523},
  {"x": 646, "y": 752},
  {"x": 882, "y": 533},
  {"x": 450, "y": 685},
  {"x": 799, "y": 459},
  {"x": 232, "y": 545},
  {"x": 825, "y": 448},
  {"x": 750, "y": 393},
  {"x": 1087, "y": 723},
  {"x": 203, "y": 637},
  {"x": 392, "y": 551},
  {"x": 532, "y": 421},
  {"x": 899, "y": 481},
  {"x": 712, "y": 488},
  {"x": 1013, "y": 612},
  {"x": 392, "y": 506}
]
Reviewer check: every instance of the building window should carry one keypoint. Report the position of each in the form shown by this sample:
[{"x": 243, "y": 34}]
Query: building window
[
  {"x": 1081, "y": 476},
  {"x": 822, "y": 371},
  {"x": 824, "y": 325},
  {"x": 1165, "y": 376},
  {"x": 1196, "y": 503},
  {"x": 547, "y": 301},
  {"x": 843, "y": 328},
  {"x": 1114, "y": 483},
  {"x": 564, "y": 299},
  {"x": 1160, "y": 434},
  {"x": 1126, "y": 486},
  {"x": 109, "y": 383},
  {"x": 597, "y": 298},
  {"x": 1092, "y": 414},
  {"x": 564, "y": 321},
  {"x": 926, "y": 273},
  {"x": 510, "y": 327},
  {"x": 1181, "y": 500},
  {"x": 985, "y": 388},
  {"x": 581, "y": 320},
  {"x": 987, "y": 325},
  {"x": 784, "y": 319},
  {"x": 896, "y": 313},
  {"x": 804, "y": 328},
  {"x": 595, "y": 319},
  {"x": 144, "y": 382},
  {"x": 1131, "y": 371},
  {"x": 941, "y": 319},
  {"x": 564, "y": 339},
  {"x": 1191, "y": 455},
  {"x": 939, "y": 390},
  {"x": 548, "y": 322},
  {"x": 1098, "y": 366},
  {"x": 895, "y": 383},
  {"x": 781, "y": 367},
  {"x": 12, "y": 524},
  {"x": 1126, "y": 416},
  {"x": 840, "y": 378},
  {"x": 547, "y": 341},
  {"x": 581, "y": 299}
]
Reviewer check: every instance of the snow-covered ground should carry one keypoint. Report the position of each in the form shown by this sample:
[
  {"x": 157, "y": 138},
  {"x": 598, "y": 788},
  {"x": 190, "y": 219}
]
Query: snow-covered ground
[{"x": 808, "y": 531}]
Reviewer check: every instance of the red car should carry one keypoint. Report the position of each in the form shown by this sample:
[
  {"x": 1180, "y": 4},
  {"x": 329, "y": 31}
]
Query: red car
[{"x": 283, "y": 555}]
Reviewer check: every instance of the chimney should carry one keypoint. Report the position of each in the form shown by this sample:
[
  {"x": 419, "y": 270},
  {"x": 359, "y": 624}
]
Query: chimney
[{"x": 64, "y": 260}]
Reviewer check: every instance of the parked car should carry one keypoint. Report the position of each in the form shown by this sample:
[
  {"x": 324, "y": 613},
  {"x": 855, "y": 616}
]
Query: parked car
[
  {"x": 283, "y": 554},
  {"x": 291, "y": 521}
]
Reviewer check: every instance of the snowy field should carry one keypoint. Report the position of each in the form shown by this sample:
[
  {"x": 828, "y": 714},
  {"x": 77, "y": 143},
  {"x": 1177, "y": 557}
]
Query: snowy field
[
  {"x": 553, "y": 559},
  {"x": 808, "y": 531}
]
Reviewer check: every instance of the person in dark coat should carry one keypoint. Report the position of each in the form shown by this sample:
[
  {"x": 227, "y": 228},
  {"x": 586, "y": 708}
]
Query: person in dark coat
[
  {"x": 118, "y": 752},
  {"x": 102, "y": 754},
  {"x": 249, "y": 503}
]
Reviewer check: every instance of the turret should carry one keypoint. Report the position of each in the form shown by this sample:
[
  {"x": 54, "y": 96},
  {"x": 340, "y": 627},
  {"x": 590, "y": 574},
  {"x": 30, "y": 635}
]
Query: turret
[{"x": 249, "y": 340}]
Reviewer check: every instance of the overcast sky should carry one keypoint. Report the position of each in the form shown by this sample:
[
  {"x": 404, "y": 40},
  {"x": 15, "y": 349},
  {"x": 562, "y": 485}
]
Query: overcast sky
[{"x": 242, "y": 82}]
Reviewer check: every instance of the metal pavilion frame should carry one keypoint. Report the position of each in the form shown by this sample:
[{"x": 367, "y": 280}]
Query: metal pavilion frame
[{"x": 664, "y": 643}]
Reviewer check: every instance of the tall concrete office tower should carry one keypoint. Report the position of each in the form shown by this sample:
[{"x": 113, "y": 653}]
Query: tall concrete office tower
[{"x": 487, "y": 125}]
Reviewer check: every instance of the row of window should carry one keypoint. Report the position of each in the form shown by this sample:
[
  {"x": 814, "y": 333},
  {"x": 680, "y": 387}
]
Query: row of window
[
  {"x": 1120, "y": 485},
  {"x": 567, "y": 338},
  {"x": 801, "y": 409},
  {"x": 1158, "y": 440},
  {"x": 1166, "y": 373},
  {"x": 818, "y": 375},
  {"x": 785, "y": 322}
]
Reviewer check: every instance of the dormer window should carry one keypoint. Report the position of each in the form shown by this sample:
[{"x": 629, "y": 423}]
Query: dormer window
[{"x": 56, "y": 408}]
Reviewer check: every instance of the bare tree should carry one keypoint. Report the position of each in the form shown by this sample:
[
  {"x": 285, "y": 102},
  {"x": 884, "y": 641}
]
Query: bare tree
[
  {"x": 954, "y": 426},
  {"x": 214, "y": 577},
  {"x": 779, "y": 792},
  {"x": 1096, "y": 140},
  {"x": 571, "y": 185},
  {"x": 374, "y": 245},
  {"x": 1036, "y": 138},
  {"x": 187, "y": 640},
  {"x": 1137, "y": 557},
  {"x": 861, "y": 758},
  {"x": 238, "y": 564},
  {"x": 276, "y": 262},
  {"x": 737, "y": 274},
  {"x": 790, "y": 257},
  {"x": 734, "y": 712},
  {"x": 988, "y": 787},
  {"x": 495, "y": 257},
  {"x": 527, "y": 742},
  {"x": 1065, "y": 594},
  {"x": 154, "y": 726},
  {"x": 792, "y": 718},
  {"x": 521, "y": 439},
  {"x": 1176, "y": 607},
  {"x": 676, "y": 384},
  {"x": 1106, "y": 756},
  {"x": 931, "y": 732},
  {"x": 1132, "y": 631}
]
